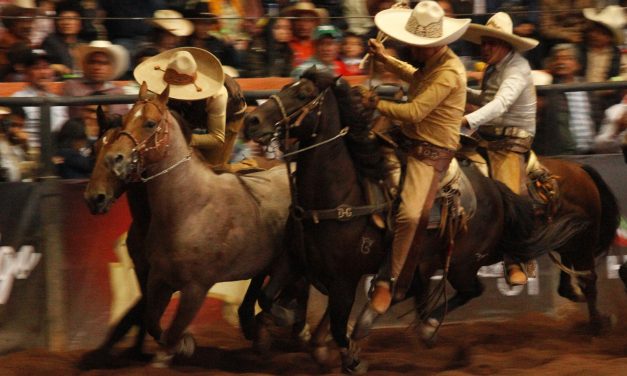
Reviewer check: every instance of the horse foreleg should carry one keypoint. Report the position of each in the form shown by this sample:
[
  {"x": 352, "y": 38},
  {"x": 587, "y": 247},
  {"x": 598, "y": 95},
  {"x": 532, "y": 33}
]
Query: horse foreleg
[
  {"x": 341, "y": 298},
  {"x": 598, "y": 321},
  {"x": 320, "y": 351},
  {"x": 246, "y": 310},
  {"x": 158, "y": 296}
]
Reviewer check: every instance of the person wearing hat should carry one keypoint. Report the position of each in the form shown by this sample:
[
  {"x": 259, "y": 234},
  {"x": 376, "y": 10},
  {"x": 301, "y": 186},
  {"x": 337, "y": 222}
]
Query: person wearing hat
[
  {"x": 506, "y": 114},
  {"x": 170, "y": 29},
  {"x": 101, "y": 62},
  {"x": 305, "y": 17},
  {"x": 327, "y": 43},
  {"x": 197, "y": 93},
  {"x": 429, "y": 121},
  {"x": 38, "y": 74},
  {"x": 601, "y": 57}
]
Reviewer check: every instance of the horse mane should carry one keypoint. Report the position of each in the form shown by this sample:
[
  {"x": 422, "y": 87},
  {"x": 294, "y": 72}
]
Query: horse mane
[
  {"x": 364, "y": 149},
  {"x": 183, "y": 124}
]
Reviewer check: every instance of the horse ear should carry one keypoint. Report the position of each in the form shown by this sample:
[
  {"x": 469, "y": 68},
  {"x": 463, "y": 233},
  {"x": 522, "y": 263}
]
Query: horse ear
[
  {"x": 165, "y": 95},
  {"x": 143, "y": 90}
]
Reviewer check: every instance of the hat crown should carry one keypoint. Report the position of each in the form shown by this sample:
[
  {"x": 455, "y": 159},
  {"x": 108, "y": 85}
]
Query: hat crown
[
  {"x": 501, "y": 21},
  {"x": 426, "y": 20},
  {"x": 183, "y": 63}
]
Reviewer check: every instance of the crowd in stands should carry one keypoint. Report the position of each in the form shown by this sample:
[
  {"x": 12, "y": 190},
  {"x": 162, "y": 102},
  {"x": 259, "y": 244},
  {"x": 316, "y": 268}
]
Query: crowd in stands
[{"x": 88, "y": 44}]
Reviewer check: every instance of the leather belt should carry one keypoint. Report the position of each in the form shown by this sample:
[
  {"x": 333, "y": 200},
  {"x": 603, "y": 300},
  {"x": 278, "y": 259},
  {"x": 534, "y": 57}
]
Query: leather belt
[
  {"x": 504, "y": 131},
  {"x": 435, "y": 156}
]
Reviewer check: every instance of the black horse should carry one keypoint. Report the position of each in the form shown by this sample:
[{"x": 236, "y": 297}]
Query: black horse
[{"x": 336, "y": 253}]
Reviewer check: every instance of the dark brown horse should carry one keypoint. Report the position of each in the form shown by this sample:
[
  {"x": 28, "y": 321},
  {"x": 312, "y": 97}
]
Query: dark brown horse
[
  {"x": 105, "y": 187},
  {"x": 335, "y": 253}
]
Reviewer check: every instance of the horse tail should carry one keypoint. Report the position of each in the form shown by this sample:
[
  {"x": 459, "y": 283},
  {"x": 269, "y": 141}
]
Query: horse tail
[
  {"x": 610, "y": 212},
  {"x": 524, "y": 238}
]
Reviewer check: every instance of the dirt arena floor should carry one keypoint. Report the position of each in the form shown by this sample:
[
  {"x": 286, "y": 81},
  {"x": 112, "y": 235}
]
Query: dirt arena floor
[{"x": 527, "y": 344}]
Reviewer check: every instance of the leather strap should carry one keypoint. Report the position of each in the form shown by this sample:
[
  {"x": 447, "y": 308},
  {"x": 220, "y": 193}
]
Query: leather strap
[{"x": 344, "y": 212}]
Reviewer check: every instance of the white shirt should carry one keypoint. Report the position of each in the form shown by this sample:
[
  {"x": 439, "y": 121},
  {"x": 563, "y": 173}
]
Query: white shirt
[
  {"x": 609, "y": 140},
  {"x": 509, "y": 98},
  {"x": 58, "y": 115}
]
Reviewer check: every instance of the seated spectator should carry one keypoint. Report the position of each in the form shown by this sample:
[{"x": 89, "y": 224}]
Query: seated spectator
[
  {"x": 335, "y": 11},
  {"x": 15, "y": 160},
  {"x": 74, "y": 159},
  {"x": 269, "y": 54},
  {"x": 613, "y": 129},
  {"x": 43, "y": 25},
  {"x": 352, "y": 52},
  {"x": 207, "y": 35},
  {"x": 562, "y": 21},
  {"x": 16, "y": 55},
  {"x": 61, "y": 44},
  {"x": 601, "y": 57},
  {"x": 38, "y": 73},
  {"x": 327, "y": 41},
  {"x": 128, "y": 32},
  {"x": 566, "y": 123},
  {"x": 169, "y": 30},
  {"x": 305, "y": 19},
  {"x": 357, "y": 17},
  {"x": 17, "y": 30},
  {"x": 101, "y": 62}
]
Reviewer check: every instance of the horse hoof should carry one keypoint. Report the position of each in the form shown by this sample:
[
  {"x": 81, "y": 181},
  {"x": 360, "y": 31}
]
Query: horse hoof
[
  {"x": 304, "y": 336},
  {"x": 98, "y": 359},
  {"x": 364, "y": 323},
  {"x": 186, "y": 346},
  {"x": 428, "y": 332},
  {"x": 135, "y": 354},
  {"x": 321, "y": 355},
  {"x": 358, "y": 367},
  {"x": 162, "y": 360},
  {"x": 603, "y": 325}
]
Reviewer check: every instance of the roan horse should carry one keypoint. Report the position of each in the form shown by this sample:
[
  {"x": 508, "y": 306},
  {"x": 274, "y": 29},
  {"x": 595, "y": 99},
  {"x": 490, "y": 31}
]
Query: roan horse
[
  {"x": 334, "y": 253},
  {"x": 203, "y": 228}
]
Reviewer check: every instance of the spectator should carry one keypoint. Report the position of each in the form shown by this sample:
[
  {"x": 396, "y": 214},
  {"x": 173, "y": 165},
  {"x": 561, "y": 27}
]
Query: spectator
[
  {"x": 613, "y": 130},
  {"x": 566, "y": 124},
  {"x": 16, "y": 55},
  {"x": 527, "y": 29},
  {"x": 169, "y": 30},
  {"x": 562, "y": 21},
  {"x": 38, "y": 72},
  {"x": 44, "y": 24},
  {"x": 357, "y": 17},
  {"x": 352, "y": 52},
  {"x": 74, "y": 159},
  {"x": 602, "y": 58},
  {"x": 269, "y": 54},
  {"x": 15, "y": 160},
  {"x": 101, "y": 62},
  {"x": 61, "y": 44},
  {"x": 306, "y": 18},
  {"x": 374, "y": 7},
  {"x": 335, "y": 11},
  {"x": 327, "y": 52},
  {"x": 207, "y": 35},
  {"x": 129, "y": 33},
  {"x": 17, "y": 30}
]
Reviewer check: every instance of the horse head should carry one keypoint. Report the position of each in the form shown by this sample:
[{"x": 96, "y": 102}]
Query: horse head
[
  {"x": 104, "y": 187},
  {"x": 143, "y": 139},
  {"x": 284, "y": 113}
]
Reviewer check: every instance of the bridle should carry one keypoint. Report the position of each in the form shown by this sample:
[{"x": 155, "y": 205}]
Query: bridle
[
  {"x": 314, "y": 105},
  {"x": 160, "y": 143}
]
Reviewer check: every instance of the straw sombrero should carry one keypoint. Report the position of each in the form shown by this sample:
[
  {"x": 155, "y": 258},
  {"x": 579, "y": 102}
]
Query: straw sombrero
[
  {"x": 611, "y": 17},
  {"x": 192, "y": 73},
  {"x": 306, "y": 8},
  {"x": 118, "y": 55},
  {"x": 424, "y": 26},
  {"x": 173, "y": 22},
  {"x": 499, "y": 26}
]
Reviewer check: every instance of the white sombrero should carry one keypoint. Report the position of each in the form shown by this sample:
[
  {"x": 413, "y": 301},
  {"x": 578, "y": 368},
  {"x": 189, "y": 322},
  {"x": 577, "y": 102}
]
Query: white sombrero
[
  {"x": 118, "y": 55},
  {"x": 611, "y": 17},
  {"x": 192, "y": 73},
  {"x": 172, "y": 21},
  {"x": 499, "y": 26},
  {"x": 304, "y": 8},
  {"x": 425, "y": 25}
]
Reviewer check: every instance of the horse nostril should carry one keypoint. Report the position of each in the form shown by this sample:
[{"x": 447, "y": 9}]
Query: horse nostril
[
  {"x": 118, "y": 158},
  {"x": 100, "y": 198}
]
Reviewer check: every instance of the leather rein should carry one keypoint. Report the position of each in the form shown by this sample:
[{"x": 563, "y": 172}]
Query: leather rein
[{"x": 340, "y": 213}]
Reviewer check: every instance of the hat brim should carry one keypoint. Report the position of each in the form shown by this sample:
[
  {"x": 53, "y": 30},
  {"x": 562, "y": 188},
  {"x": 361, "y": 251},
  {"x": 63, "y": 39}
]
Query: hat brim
[
  {"x": 392, "y": 22},
  {"x": 475, "y": 32},
  {"x": 178, "y": 27},
  {"x": 295, "y": 10},
  {"x": 118, "y": 54},
  {"x": 591, "y": 15},
  {"x": 209, "y": 75}
]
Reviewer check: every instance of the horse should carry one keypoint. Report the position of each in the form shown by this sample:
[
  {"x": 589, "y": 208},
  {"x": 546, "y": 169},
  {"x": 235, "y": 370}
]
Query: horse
[
  {"x": 336, "y": 250},
  {"x": 187, "y": 246}
]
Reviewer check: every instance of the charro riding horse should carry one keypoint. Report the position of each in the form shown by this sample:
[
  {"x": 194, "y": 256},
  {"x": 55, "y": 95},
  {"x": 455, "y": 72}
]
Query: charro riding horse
[
  {"x": 219, "y": 241},
  {"x": 334, "y": 245}
]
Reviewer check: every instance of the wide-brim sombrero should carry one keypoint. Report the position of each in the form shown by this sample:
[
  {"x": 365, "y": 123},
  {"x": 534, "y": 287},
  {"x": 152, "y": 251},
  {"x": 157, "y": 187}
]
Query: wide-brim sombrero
[
  {"x": 500, "y": 27},
  {"x": 119, "y": 55},
  {"x": 209, "y": 75}
]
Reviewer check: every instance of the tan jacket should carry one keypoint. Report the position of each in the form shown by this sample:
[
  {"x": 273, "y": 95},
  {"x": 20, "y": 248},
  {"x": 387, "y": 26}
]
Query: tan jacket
[{"x": 436, "y": 99}]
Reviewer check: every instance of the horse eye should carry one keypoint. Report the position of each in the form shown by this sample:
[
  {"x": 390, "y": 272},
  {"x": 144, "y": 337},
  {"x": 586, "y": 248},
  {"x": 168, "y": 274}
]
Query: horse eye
[{"x": 150, "y": 124}]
